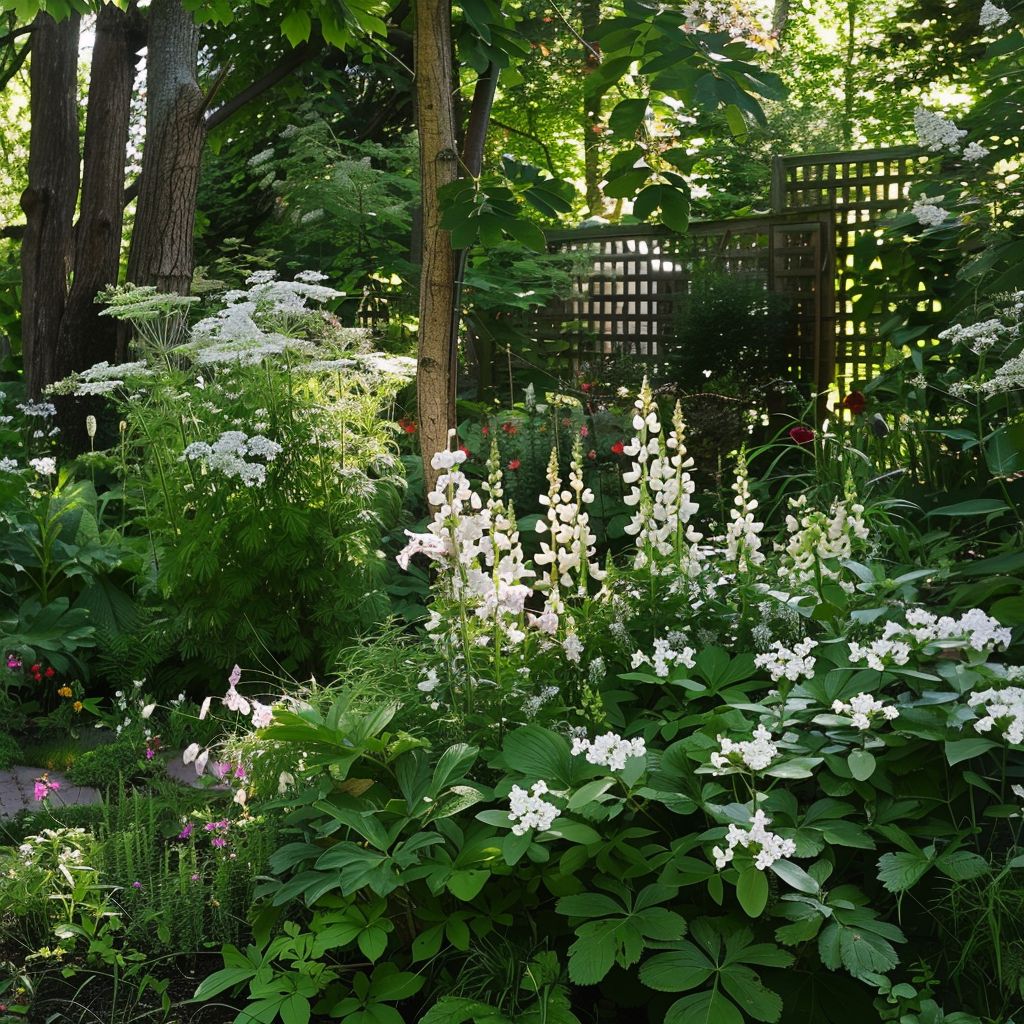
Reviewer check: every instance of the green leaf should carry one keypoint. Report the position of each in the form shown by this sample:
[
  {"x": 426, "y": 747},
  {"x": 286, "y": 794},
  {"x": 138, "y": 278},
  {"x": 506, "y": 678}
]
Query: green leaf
[
  {"x": 296, "y": 26},
  {"x": 675, "y": 209},
  {"x": 752, "y": 891},
  {"x": 962, "y": 865},
  {"x": 626, "y": 118},
  {"x": 592, "y": 955},
  {"x": 539, "y": 753},
  {"x": 745, "y": 987},
  {"x": 709, "y": 1007},
  {"x": 588, "y": 904},
  {"x": 901, "y": 871},
  {"x": 795, "y": 877},
  {"x": 677, "y": 970},
  {"x": 861, "y": 764},
  {"x": 976, "y": 507},
  {"x": 466, "y": 885},
  {"x": 1004, "y": 450},
  {"x": 964, "y": 750}
]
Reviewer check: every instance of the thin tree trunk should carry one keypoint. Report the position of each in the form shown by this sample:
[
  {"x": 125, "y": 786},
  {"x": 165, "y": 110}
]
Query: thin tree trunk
[
  {"x": 49, "y": 199},
  {"x": 85, "y": 336},
  {"x": 438, "y": 167},
  {"x": 161, "y": 248},
  {"x": 849, "y": 79},
  {"x": 591, "y": 120}
]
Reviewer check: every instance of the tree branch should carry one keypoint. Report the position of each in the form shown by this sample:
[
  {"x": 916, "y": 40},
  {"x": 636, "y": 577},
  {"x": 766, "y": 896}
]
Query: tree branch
[
  {"x": 533, "y": 138},
  {"x": 289, "y": 63},
  {"x": 15, "y": 65}
]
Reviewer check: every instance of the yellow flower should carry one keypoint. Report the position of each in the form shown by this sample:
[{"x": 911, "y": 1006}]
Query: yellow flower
[
  {"x": 65, "y": 691},
  {"x": 77, "y": 706}
]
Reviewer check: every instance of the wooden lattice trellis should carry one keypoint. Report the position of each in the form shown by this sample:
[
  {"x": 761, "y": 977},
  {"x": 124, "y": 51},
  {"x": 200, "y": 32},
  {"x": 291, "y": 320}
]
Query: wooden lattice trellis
[
  {"x": 640, "y": 277},
  {"x": 856, "y": 190}
]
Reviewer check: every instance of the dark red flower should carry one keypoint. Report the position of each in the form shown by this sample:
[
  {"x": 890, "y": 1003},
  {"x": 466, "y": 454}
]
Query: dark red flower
[
  {"x": 591, "y": 455},
  {"x": 465, "y": 451},
  {"x": 585, "y": 387},
  {"x": 618, "y": 448},
  {"x": 802, "y": 435},
  {"x": 409, "y": 426},
  {"x": 855, "y": 402},
  {"x": 514, "y": 464},
  {"x": 485, "y": 430},
  {"x": 510, "y": 428},
  {"x": 50, "y": 673}
]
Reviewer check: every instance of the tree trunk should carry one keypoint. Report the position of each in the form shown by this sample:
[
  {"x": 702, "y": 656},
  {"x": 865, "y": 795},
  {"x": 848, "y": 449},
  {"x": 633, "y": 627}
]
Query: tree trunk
[
  {"x": 161, "y": 248},
  {"x": 49, "y": 199},
  {"x": 435, "y": 117},
  {"x": 85, "y": 336},
  {"x": 591, "y": 123},
  {"x": 849, "y": 73}
]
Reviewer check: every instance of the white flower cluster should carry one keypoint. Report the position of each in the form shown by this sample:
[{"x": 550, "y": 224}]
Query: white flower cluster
[
  {"x": 527, "y": 810},
  {"x": 785, "y": 663},
  {"x": 661, "y": 489},
  {"x": 992, "y": 16},
  {"x": 934, "y": 132},
  {"x": 666, "y": 654},
  {"x": 46, "y": 466},
  {"x": 570, "y": 549},
  {"x": 816, "y": 539},
  {"x": 767, "y": 846},
  {"x": 1003, "y": 708},
  {"x": 8, "y": 465},
  {"x": 929, "y": 214},
  {"x": 863, "y": 708},
  {"x": 974, "y": 151},
  {"x": 609, "y": 751},
  {"x": 229, "y": 455},
  {"x": 42, "y": 410},
  {"x": 756, "y": 754},
  {"x": 885, "y": 651},
  {"x": 973, "y": 628},
  {"x": 1008, "y": 377},
  {"x": 742, "y": 543},
  {"x": 979, "y": 337}
]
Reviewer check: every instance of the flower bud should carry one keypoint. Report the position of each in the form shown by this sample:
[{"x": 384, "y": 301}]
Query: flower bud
[
  {"x": 122, "y": 426},
  {"x": 90, "y": 426}
]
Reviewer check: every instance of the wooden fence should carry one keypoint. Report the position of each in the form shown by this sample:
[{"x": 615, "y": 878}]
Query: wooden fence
[{"x": 640, "y": 276}]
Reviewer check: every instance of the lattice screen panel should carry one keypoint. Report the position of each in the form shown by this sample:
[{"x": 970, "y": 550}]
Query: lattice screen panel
[{"x": 859, "y": 188}]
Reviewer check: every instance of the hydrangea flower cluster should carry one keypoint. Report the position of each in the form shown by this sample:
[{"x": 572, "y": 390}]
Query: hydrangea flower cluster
[
  {"x": 742, "y": 543},
  {"x": 1003, "y": 708},
  {"x": 528, "y": 810},
  {"x": 765, "y": 845},
  {"x": 817, "y": 539},
  {"x": 661, "y": 489},
  {"x": 863, "y": 709},
  {"x": 785, "y": 663},
  {"x": 610, "y": 750},
  {"x": 935, "y": 132},
  {"x": 755, "y": 754},
  {"x": 929, "y": 214},
  {"x": 230, "y": 453},
  {"x": 569, "y": 551},
  {"x": 992, "y": 16}
]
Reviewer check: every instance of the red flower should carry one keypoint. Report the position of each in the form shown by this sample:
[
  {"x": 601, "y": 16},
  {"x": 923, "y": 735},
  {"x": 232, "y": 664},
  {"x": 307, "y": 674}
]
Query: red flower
[
  {"x": 514, "y": 464},
  {"x": 584, "y": 431},
  {"x": 510, "y": 428},
  {"x": 591, "y": 455},
  {"x": 855, "y": 402},
  {"x": 802, "y": 435},
  {"x": 50, "y": 673},
  {"x": 585, "y": 387},
  {"x": 618, "y": 448},
  {"x": 409, "y": 426},
  {"x": 485, "y": 430},
  {"x": 465, "y": 451}
]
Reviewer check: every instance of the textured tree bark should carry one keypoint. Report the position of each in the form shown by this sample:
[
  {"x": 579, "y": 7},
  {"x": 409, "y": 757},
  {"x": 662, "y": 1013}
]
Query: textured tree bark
[
  {"x": 49, "y": 199},
  {"x": 432, "y": 49},
  {"x": 161, "y": 247},
  {"x": 85, "y": 336}
]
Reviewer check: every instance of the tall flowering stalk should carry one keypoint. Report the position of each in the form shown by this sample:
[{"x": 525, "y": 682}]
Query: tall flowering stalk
[{"x": 742, "y": 540}]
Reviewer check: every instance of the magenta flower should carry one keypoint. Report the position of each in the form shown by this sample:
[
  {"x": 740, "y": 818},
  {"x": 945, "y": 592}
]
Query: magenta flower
[
  {"x": 186, "y": 832},
  {"x": 44, "y": 786},
  {"x": 219, "y": 842}
]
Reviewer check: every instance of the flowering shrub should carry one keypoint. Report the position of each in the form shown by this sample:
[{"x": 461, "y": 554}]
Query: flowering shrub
[
  {"x": 253, "y": 449},
  {"x": 709, "y": 777}
]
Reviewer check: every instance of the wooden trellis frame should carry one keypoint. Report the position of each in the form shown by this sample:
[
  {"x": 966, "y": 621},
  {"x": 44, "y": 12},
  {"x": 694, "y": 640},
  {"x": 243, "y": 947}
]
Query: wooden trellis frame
[{"x": 855, "y": 190}]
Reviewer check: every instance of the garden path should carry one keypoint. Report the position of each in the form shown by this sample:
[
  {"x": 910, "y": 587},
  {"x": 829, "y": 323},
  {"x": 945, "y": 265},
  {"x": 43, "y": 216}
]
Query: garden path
[{"x": 16, "y": 791}]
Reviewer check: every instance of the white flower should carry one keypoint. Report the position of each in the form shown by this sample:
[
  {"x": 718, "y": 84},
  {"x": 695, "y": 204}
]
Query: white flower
[
  {"x": 974, "y": 151},
  {"x": 742, "y": 543},
  {"x": 240, "y": 797},
  {"x": 201, "y": 760},
  {"x": 929, "y": 214},
  {"x": 992, "y": 16},
  {"x": 234, "y": 701},
  {"x": 757, "y": 753},
  {"x": 767, "y": 846},
  {"x": 148, "y": 710},
  {"x": 262, "y": 715},
  {"x": 190, "y": 753},
  {"x": 783, "y": 663},
  {"x": 573, "y": 648},
  {"x": 934, "y": 132},
  {"x": 284, "y": 781},
  {"x": 204, "y": 710},
  {"x": 863, "y": 709},
  {"x": 428, "y": 684},
  {"x": 44, "y": 467},
  {"x": 528, "y": 810},
  {"x": 609, "y": 751},
  {"x": 8, "y": 465},
  {"x": 1004, "y": 708}
]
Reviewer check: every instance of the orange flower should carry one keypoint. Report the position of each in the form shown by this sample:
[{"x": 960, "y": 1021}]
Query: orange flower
[
  {"x": 65, "y": 691},
  {"x": 77, "y": 706}
]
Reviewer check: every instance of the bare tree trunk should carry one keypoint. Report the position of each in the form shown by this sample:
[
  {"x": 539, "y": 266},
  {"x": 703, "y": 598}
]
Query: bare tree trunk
[
  {"x": 85, "y": 336},
  {"x": 432, "y": 48},
  {"x": 161, "y": 248},
  {"x": 591, "y": 122},
  {"x": 780, "y": 18},
  {"x": 849, "y": 73},
  {"x": 49, "y": 199}
]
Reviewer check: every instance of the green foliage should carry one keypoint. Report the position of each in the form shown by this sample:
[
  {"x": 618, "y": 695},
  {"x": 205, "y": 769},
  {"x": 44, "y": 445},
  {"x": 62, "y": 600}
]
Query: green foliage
[
  {"x": 108, "y": 766},
  {"x": 10, "y": 751}
]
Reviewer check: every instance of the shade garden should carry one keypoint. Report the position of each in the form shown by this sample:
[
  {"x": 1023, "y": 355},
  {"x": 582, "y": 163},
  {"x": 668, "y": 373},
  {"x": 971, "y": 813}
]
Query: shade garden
[{"x": 371, "y": 655}]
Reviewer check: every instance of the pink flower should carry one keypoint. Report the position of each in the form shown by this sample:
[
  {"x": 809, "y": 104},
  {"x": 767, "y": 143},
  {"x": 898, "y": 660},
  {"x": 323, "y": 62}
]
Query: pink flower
[
  {"x": 514, "y": 464},
  {"x": 186, "y": 832},
  {"x": 44, "y": 786},
  {"x": 584, "y": 431},
  {"x": 235, "y": 678},
  {"x": 137, "y": 885},
  {"x": 219, "y": 841}
]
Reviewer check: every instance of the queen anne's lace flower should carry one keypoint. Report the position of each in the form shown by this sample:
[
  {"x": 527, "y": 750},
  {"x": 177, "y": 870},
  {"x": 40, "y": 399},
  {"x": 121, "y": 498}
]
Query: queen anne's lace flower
[
  {"x": 929, "y": 214},
  {"x": 609, "y": 751},
  {"x": 934, "y": 132},
  {"x": 864, "y": 709},
  {"x": 992, "y": 16},
  {"x": 756, "y": 754},
  {"x": 766, "y": 846},
  {"x": 973, "y": 151},
  {"x": 229, "y": 455},
  {"x": 527, "y": 810}
]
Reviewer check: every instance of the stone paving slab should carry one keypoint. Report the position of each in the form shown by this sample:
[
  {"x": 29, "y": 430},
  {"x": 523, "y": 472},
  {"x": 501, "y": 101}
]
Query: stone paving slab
[{"x": 17, "y": 786}]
